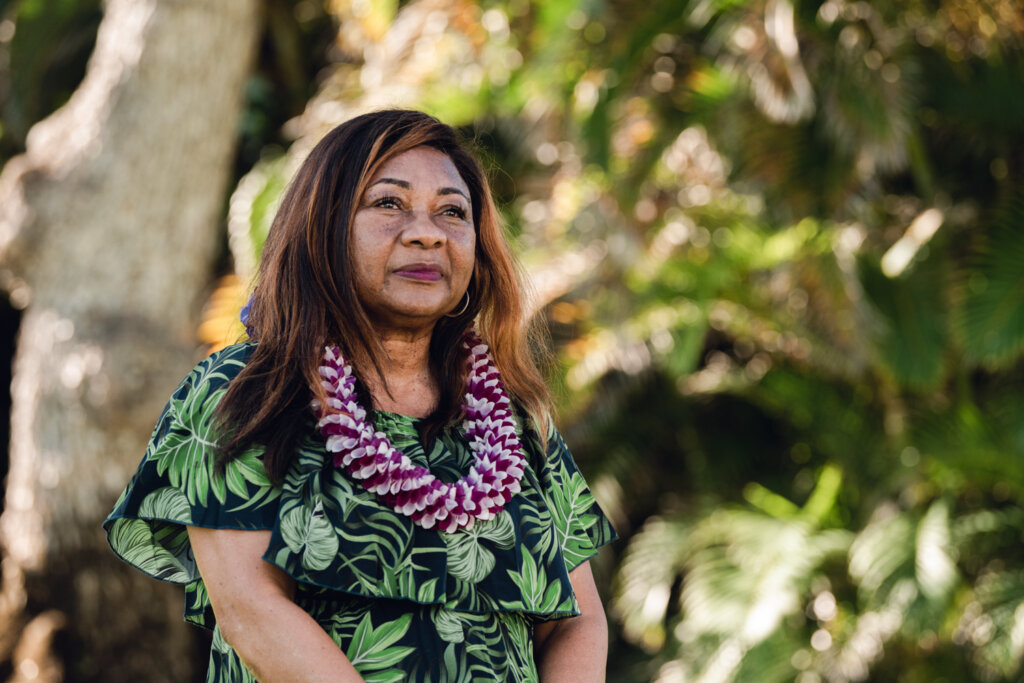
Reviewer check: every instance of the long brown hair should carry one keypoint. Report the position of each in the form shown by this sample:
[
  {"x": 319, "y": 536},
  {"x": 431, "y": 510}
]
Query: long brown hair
[{"x": 305, "y": 295}]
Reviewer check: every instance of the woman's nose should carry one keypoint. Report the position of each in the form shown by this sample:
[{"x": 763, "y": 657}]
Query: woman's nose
[{"x": 423, "y": 231}]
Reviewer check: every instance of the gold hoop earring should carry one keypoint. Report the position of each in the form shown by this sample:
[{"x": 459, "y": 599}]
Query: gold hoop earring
[{"x": 462, "y": 310}]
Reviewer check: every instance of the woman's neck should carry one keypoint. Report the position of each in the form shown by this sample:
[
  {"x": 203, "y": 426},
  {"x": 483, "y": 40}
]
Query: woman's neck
[
  {"x": 411, "y": 387},
  {"x": 407, "y": 353}
]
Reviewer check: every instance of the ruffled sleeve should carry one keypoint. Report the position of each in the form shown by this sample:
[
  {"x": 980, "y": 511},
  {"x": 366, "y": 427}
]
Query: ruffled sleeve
[
  {"x": 580, "y": 524},
  {"x": 178, "y": 484}
]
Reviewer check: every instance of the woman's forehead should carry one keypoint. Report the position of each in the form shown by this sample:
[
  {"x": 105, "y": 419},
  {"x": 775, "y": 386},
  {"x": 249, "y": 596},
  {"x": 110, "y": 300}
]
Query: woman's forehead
[{"x": 420, "y": 166}]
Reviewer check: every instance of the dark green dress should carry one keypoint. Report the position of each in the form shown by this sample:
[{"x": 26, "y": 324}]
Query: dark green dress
[{"x": 402, "y": 602}]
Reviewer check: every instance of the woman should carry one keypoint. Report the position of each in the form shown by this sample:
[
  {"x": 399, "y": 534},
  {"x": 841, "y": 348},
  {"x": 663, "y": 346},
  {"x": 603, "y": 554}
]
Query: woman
[{"x": 353, "y": 494}]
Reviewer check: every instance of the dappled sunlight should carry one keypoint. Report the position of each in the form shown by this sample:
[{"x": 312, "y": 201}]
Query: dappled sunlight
[{"x": 919, "y": 232}]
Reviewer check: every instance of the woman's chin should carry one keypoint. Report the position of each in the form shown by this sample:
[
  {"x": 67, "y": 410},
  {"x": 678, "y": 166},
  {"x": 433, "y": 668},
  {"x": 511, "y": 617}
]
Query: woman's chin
[{"x": 412, "y": 315}]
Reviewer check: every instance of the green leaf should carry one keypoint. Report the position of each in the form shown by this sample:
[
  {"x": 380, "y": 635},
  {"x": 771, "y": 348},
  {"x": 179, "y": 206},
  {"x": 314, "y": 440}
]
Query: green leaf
[
  {"x": 247, "y": 478},
  {"x": 1000, "y": 594},
  {"x": 133, "y": 540},
  {"x": 883, "y": 554},
  {"x": 374, "y": 649},
  {"x": 551, "y": 596},
  {"x": 218, "y": 644},
  {"x": 449, "y": 626},
  {"x": 307, "y": 531},
  {"x": 389, "y": 676},
  {"x": 531, "y": 581},
  {"x": 912, "y": 337},
  {"x": 936, "y": 569},
  {"x": 992, "y": 318},
  {"x": 187, "y": 451},
  {"x": 571, "y": 500},
  {"x": 254, "y": 203},
  {"x": 167, "y": 503},
  {"x": 427, "y": 591},
  {"x": 468, "y": 558},
  {"x": 200, "y": 598}
]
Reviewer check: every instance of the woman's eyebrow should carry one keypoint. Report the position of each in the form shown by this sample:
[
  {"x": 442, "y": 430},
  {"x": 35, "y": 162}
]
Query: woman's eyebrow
[
  {"x": 392, "y": 181},
  {"x": 451, "y": 190},
  {"x": 406, "y": 185}
]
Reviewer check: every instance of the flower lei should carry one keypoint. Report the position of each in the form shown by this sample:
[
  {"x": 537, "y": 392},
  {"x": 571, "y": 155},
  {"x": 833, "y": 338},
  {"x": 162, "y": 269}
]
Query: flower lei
[{"x": 367, "y": 455}]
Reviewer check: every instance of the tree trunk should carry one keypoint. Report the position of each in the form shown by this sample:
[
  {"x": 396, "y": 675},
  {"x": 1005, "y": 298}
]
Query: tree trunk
[{"x": 108, "y": 227}]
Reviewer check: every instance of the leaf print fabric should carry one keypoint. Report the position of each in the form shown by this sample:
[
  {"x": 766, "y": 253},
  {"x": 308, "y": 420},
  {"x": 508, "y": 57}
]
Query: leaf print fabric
[
  {"x": 402, "y": 602},
  {"x": 468, "y": 557}
]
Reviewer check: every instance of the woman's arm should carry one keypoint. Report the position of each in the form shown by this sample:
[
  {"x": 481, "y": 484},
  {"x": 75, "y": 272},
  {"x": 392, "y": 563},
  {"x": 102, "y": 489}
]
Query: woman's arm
[
  {"x": 574, "y": 650},
  {"x": 253, "y": 603}
]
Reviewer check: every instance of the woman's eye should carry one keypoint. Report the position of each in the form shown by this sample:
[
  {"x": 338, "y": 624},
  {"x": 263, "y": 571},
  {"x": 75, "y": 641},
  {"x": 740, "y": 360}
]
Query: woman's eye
[
  {"x": 387, "y": 203},
  {"x": 455, "y": 211}
]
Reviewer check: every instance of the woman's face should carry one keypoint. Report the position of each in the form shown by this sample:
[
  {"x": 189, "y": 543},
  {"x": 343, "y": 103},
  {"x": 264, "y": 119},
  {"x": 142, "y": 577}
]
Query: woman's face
[{"x": 413, "y": 240}]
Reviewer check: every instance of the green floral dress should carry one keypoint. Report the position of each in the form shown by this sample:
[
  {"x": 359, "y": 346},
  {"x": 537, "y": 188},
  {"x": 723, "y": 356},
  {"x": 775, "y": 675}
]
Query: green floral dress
[{"x": 402, "y": 602}]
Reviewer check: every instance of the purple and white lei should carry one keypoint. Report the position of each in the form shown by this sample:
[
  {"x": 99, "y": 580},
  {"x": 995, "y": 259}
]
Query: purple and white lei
[{"x": 367, "y": 455}]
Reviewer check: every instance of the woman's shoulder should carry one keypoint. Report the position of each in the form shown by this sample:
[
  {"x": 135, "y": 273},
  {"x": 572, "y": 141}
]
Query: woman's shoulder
[
  {"x": 217, "y": 369},
  {"x": 227, "y": 362}
]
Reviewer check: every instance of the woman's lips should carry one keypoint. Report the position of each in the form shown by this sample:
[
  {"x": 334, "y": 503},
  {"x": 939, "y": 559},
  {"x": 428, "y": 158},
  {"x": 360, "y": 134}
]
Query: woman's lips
[{"x": 423, "y": 273}]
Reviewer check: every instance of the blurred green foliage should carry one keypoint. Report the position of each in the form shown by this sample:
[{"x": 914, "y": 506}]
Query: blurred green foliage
[
  {"x": 43, "y": 45},
  {"x": 780, "y": 246}
]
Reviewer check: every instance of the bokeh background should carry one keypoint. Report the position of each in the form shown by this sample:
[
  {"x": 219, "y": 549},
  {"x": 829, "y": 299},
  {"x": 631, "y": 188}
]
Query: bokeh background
[{"x": 779, "y": 245}]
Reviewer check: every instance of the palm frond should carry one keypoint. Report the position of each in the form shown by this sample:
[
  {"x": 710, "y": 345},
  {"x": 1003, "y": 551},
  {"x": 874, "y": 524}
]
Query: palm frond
[
  {"x": 914, "y": 336},
  {"x": 646, "y": 577},
  {"x": 992, "y": 318}
]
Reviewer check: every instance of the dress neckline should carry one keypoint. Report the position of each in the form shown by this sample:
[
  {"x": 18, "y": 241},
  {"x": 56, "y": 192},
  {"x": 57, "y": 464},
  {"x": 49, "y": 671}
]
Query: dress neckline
[{"x": 397, "y": 417}]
